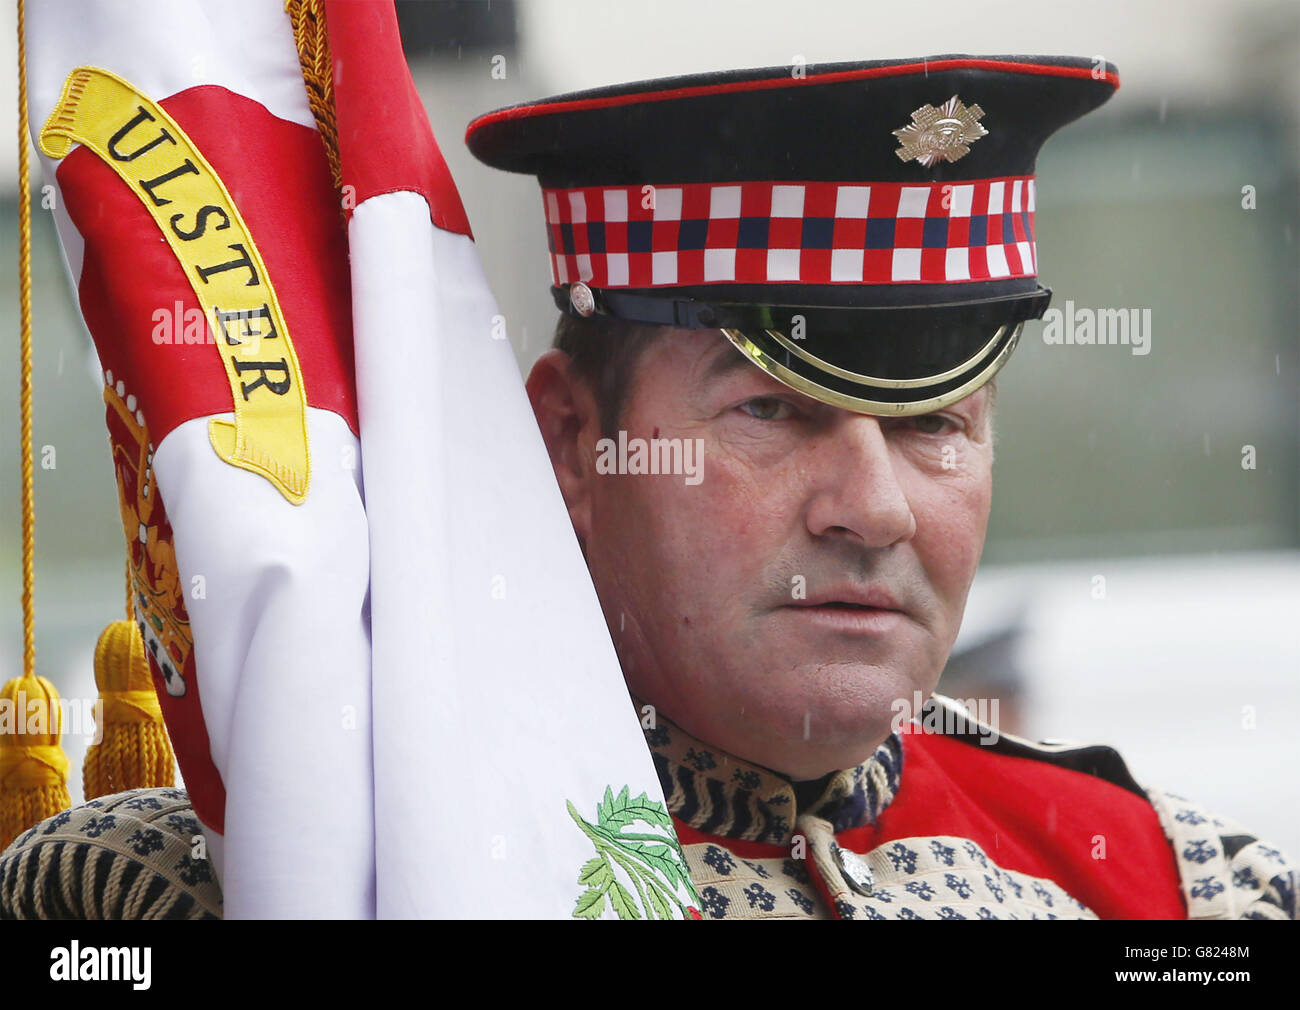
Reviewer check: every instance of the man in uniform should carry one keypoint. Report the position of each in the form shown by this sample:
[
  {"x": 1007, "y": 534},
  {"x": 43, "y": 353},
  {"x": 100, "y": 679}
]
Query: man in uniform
[{"x": 785, "y": 295}]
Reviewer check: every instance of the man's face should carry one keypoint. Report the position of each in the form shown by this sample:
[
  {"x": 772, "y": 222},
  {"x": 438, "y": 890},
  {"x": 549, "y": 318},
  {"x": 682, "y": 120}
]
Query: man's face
[{"x": 817, "y": 573}]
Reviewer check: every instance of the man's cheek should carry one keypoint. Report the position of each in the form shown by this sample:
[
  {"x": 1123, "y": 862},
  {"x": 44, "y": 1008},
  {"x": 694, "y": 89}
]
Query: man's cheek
[
  {"x": 960, "y": 497},
  {"x": 740, "y": 487},
  {"x": 956, "y": 462},
  {"x": 950, "y": 530},
  {"x": 955, "y": 533},
  {"x": 733, "y": 523}
]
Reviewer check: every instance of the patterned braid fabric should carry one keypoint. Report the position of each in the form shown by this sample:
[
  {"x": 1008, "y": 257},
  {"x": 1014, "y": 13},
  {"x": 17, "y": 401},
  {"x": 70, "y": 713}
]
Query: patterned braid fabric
[
  {"x": 1226, "y": 872},
  {"x": 809, "y": 233},
  {"x": 847, "y": 847},
  {"x": 759, "y": 846},
  {"x": 726, "y": 799},
  {"x": 126, "y": 856}
]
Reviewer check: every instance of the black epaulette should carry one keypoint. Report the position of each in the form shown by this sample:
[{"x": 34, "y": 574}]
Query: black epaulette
[{"x": 954, "y": 720}]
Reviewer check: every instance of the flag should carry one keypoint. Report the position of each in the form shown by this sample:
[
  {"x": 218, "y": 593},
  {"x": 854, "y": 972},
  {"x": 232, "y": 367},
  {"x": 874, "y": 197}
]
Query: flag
[
  {"x": 496, "y": 683},
  {"x": 202, "y": 235},
  {"x": 377, "y": 649}
]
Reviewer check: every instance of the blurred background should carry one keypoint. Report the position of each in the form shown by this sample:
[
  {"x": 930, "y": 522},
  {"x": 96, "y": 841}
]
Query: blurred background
[{"x": 1140, "y": 585}]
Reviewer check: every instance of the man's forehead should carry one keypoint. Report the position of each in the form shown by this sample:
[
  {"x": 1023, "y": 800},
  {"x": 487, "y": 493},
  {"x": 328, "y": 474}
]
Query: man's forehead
[
  {"x": 703, "y": 357},
  {"x": 722, "y": 358}
]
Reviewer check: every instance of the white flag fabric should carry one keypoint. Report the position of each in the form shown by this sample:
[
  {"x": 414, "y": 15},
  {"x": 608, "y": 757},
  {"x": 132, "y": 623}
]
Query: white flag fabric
[{"x": 494, "y": 671}]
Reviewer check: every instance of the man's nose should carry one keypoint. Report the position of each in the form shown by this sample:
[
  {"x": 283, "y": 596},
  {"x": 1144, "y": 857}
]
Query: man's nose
[{"x": 856, "y": 488}]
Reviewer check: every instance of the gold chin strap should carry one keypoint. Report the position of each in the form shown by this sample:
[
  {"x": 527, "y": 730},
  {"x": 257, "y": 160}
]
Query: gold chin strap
[{"x": 864, "y": 405}]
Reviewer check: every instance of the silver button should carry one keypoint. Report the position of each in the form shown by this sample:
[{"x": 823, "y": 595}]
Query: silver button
[
  {"x": 855, "y": 870},
  {"x": 582, "y": 300}
]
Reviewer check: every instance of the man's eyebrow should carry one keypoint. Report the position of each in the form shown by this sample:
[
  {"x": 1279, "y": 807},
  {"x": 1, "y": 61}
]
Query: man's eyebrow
[{"x": 724, "y": 362}]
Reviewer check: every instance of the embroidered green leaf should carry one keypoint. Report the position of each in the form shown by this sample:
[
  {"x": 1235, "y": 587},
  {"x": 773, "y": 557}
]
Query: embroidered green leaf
[
  {"x": 590, "y": 904},
  {"x": 595, "y": 873},
  {"x": 653, "y": 862},
  {"x": 622, "y": 902},
  {"x": 660, "y": 857},
  {"x": 661, "y": 908},
  {"x": 663, "y": 856},
  {"x": 654, "y": 812},
  {"x": 640, "y": 809}
]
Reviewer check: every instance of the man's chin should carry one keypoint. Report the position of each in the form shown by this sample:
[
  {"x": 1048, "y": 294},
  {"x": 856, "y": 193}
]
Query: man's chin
[{"x": 826, "y": 716}]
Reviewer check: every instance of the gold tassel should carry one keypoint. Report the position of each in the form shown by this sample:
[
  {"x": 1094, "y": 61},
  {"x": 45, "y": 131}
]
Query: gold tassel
[
  {"x": 33, "y": 767},
  {"x": 134, "y": 751}
]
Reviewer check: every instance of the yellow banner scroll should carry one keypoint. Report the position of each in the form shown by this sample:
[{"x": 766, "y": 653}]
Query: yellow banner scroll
[{"x": 151, "y": 154}]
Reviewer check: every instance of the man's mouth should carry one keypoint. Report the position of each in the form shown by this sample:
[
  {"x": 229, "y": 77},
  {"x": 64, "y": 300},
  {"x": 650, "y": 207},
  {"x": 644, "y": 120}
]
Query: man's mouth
[
  {"x": 852, "y": 598},
  {"x": 868, "y": 610}
]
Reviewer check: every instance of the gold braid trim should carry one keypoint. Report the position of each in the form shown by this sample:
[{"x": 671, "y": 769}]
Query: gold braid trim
[{"x": 312, "y": 39}]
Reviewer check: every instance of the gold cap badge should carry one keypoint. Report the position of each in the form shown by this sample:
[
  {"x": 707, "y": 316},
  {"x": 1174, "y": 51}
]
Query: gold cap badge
[{"x": 942, "y": 134}]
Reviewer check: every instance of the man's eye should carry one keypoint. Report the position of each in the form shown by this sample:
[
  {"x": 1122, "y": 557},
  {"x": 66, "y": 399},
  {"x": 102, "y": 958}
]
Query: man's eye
[
  {"x": 932, "y": 424},
  {"x": 767, "y": 408}
]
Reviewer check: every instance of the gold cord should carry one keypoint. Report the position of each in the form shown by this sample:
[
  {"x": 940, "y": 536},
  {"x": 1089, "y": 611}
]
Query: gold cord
[
  {"x": 25, "y": 353},
  {"x": 312, "y": 39},
  {"x": 33, "y": 767}
]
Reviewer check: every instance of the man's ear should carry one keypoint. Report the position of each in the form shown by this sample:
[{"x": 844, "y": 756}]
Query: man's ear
[{"x": 569, "y": 420}]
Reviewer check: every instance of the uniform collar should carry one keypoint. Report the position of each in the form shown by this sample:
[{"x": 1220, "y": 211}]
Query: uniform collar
[{"x": 719, "y": 794}]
